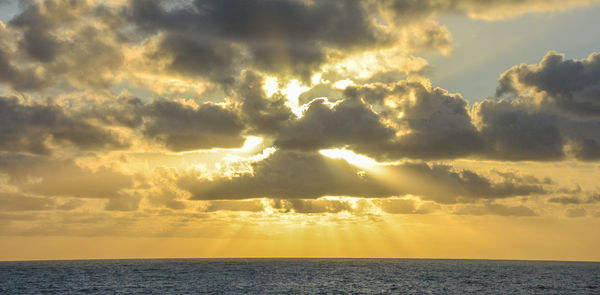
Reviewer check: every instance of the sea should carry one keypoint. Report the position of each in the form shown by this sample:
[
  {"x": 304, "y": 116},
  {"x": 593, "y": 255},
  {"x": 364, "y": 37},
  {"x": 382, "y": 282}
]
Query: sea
[{"x": 299, "y": 276}]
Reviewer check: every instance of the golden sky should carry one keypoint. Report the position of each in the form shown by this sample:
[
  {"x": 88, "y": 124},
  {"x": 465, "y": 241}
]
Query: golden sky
[{"x": 298, "y": 128}]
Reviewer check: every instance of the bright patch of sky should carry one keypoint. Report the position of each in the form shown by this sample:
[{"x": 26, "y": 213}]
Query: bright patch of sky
[
  {"x": 7, "y": 10},
  {"x": 483, "y": 50}
]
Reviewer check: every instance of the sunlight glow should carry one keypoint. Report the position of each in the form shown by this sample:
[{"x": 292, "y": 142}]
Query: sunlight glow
[
  {"x": 251, "y": 143},
  {"x": 350, "y": 157},
  {"x": 292, "y": 91},
  {"x": 270, "y": 86},
  {"x": 342, "y": 84}
]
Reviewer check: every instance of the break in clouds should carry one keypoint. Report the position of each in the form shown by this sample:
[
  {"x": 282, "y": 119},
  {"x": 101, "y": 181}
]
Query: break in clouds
[{"x": 151, "y": 106}]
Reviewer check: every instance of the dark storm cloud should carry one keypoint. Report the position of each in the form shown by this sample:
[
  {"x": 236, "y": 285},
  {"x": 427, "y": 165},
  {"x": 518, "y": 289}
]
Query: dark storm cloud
[
  {"x": 29, "y": 127},
  {"x": 301, "y": 175},
  {"x": 61, "y": 177},
  {"x": 279, "y": 37},
  {"x": 185, "y": 128}
]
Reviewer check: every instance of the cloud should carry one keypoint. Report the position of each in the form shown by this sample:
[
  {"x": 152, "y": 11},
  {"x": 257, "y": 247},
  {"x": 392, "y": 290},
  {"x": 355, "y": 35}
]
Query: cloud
[
  {"x": 182, "y": 127},
  {"x": 575, "y": 200},
  {"x": 301, "y": 175},
  {"x": 62, "y": 64},
  {"x": 216, "y": 61},
  {"x": 355, "y": 206},
  {"x": 15, "y": 201},
  {"x": 349, "y": 121},
  {"x": 565, "y": 200},
  {"x": 320, "y": 90},
  {"x": 407, "y": 206},
  {"x": 123, "y": 203},
  {"x": 432, "y": 123},
  {"x": 16, "y": 76},
  {"x": 178, "y": 124},
  {"x": 400, "y": 120},
  {"x": 512, "y": 131},
  {"x": 413, "y": 120},
  {"x": 51, "y": 177},
  {"x": 279, "y": 37},
  {"x": 31, "y": 127},
  {"x": 18, "y": 202},
  {"x": 62, "y": 41},
  {"x": 581, "y": 137},
  {"x": 124, "y": 110},
  {"x": 495, "y": 209},
  {"x": 261, "y": 114},
  {"x": 443, "y": 184},
  {"x": 256, "y": 205},
  {"x": 314, "y": 206},
  {"x": 562, "y": 96},
  {"x": 287, "y": 175},
  {"x": 404, "y": 119},
  {"x": 432, "y": 37},
  {"x": 571, "y": 85},
  {"x": 576, "y": 212},
  {"x": 412, "y": 10},
  {"x": 85, "y": 44}
]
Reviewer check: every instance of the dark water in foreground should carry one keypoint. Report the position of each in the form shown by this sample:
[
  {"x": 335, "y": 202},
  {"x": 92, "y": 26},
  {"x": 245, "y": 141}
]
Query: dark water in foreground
[{"x": 299, "y": 276}]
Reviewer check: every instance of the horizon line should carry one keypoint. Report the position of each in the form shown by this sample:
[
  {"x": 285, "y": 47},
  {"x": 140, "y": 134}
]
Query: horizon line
[{"x": 299, "y": 258}]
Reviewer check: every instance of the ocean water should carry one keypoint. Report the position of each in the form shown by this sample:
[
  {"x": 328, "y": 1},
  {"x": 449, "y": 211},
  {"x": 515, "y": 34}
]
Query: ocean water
[{"x": 298, "y": 276}]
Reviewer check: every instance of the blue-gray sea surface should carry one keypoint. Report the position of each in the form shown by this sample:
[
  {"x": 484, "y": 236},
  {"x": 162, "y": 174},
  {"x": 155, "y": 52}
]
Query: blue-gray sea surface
[{"x": 298, "y": 276}]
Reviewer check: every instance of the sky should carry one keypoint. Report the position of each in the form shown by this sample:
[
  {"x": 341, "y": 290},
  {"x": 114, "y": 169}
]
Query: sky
[{"x": 298, "y": 128}]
